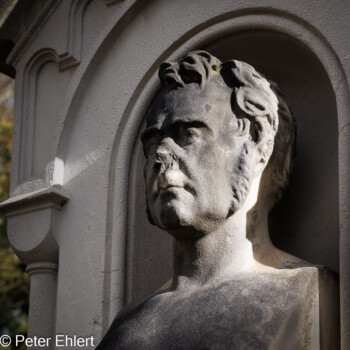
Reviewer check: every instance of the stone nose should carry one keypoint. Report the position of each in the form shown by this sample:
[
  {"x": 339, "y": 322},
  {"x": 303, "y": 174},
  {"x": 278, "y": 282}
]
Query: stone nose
[{"x": 165, "y": 159}]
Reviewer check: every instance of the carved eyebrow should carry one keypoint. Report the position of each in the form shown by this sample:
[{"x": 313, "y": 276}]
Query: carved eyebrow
[
  {"x": 149, "y": 132},
  {"x": 192, "y": 123},
  {"x": 187, "y": 123}
]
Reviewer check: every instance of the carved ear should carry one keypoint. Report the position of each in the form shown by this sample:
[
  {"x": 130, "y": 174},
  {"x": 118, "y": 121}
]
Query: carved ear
[
  {"x": 264, "y": 150},
  {"x": 257, "y": 104}
]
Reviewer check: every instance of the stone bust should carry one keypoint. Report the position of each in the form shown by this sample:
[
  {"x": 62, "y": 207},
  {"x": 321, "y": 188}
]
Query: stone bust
[{"x": 219, "y": 147}]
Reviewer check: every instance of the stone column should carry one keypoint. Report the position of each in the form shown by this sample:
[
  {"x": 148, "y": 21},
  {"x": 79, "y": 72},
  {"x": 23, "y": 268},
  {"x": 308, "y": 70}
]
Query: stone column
[
  {"x": 31, "y": 217},
  {"x": 42, "y": 299}
]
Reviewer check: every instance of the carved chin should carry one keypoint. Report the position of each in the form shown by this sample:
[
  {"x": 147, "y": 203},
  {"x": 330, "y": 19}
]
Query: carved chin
[{"x": 166, "y": 217}]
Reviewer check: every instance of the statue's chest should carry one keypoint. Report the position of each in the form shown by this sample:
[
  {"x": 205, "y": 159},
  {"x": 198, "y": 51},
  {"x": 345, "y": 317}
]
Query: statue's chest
[{"x": 230, "y": 315}]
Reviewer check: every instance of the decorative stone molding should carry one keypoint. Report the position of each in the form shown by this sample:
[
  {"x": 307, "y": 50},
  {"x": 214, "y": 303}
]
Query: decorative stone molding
[
  {"x": 25, "y": 41},
  {"x": 27, "y": 112},
  {"x": 50, "y": 197},
  {"x": 53, "y": 176},
  {"x": 30, "y": 223},
  {"x": 65, "y": 60},
  {"x": 28, "y": 95},
  {"x": 69, "y": 58},
  {"x": 41, "y": 267}
]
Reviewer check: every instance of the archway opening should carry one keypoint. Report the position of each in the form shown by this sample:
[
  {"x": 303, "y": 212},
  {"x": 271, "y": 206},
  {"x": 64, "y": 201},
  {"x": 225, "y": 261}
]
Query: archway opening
[{"x": 305, "y": 222}]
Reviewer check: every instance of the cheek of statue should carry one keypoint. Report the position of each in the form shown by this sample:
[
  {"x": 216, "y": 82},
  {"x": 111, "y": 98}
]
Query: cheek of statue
[{"x": 190, "y": 186}]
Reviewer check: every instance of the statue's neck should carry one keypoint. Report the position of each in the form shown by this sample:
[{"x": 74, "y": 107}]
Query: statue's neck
[
  {"x": 241, "y": 243},
  {"x": 218, "y": 254}
]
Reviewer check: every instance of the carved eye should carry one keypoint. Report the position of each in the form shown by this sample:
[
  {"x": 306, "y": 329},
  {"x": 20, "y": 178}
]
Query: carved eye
[
  {"x": 192, "y": 132},
  {"x": 150, "y": 144},
  {"x": 186, "y": 134}
]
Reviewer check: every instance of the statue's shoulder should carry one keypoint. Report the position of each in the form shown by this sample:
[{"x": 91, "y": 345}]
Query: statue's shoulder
[
  {"x": 221, "y": 314},
  {"x": 325, "y": 278}
]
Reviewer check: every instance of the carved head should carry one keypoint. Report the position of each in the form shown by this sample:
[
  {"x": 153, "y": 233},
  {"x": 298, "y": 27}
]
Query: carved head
[{"x": 212, "y": 128}]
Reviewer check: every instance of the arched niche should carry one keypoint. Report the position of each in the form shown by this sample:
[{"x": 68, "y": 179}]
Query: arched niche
[{"x": 305, "y": 222}]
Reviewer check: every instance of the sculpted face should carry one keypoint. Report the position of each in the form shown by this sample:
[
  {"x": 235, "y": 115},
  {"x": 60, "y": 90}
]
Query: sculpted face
[{"x": 192, "y": 148}]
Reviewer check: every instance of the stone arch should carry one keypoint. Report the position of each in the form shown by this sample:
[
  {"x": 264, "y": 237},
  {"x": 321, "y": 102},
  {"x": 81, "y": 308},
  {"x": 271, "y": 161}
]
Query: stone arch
[
  {"x": 130, "y": 121},
  {"x": 268, "y": 21}
]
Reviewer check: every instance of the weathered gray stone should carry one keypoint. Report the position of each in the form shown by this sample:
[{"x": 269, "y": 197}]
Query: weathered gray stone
[
  {"x": 86, "y": 72},
  {"x": 219, "y": 144},
  {"x": 273, "y": 309}
]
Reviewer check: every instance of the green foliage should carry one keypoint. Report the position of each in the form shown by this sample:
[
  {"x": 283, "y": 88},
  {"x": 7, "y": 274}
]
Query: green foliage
[{"x": 14, "y": 282}]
